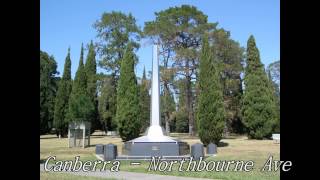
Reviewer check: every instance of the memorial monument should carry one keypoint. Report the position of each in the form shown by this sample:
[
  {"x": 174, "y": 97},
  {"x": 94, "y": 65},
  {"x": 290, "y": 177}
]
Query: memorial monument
[{"x": 155, "y": 142}]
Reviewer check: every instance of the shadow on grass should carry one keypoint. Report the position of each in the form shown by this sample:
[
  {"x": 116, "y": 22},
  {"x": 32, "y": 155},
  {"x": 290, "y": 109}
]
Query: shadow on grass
[
  {"x": 223, "y": 144},
  {"x": 230, "y": 137},
  {"x": 48, "y": 137},
  {"x": 42, "y": 161},
  {"x": 92, "y": 145},
  {"x": 95, "y": 136}
]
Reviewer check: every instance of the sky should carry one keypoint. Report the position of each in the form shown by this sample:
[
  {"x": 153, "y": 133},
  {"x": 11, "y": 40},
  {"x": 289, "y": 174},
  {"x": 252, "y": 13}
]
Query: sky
[{"x": 68, "y": 23}]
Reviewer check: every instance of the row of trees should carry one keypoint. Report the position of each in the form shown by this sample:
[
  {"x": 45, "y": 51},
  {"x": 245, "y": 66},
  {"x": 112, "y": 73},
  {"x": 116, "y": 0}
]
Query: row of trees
[
  {"x": 76, "y": 100},
  {"x": 201, "y": 68}
]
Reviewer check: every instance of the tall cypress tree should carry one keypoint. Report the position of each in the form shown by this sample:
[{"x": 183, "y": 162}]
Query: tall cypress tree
[
  {"x": 80, "y": 105},
  {"x": 62, "y": 99},
  {"x": 91, "y": 73},
  {"x": 210, "y": 111},
  {"x": 258, "y": 104},
  {"x": 144, "y": 103},
  {"x": 127, "y": 99},
  {"x": 80, "y": 79}
]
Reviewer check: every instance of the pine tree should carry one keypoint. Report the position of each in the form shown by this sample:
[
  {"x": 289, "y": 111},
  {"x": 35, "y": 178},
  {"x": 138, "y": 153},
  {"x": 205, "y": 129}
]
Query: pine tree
[
  {"x": 80, "y": 80},
  {"x": 91, "y": 74},
  {"x": 80, "y": 105},
  {"x": 258, "y": 104},
  {"x": 127, "y": 99},
  {"x": 62, "y": 99},
  {"x": 144, "y": 102},
  {"x": 210, "y": 111},
  {"x": 230, "y": 55},
  {"x": 107, "y": 102},
  {"x": 181, "y": 29},
  {"x": 48, "y": 88},
  {"x": 115, "y": 31}
]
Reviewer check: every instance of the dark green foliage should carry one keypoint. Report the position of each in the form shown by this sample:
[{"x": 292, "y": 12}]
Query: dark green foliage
[
  {"x": 91, "y": 75},
  {"x": 181, "y": 124},
  {"x": 259, "y": 108},
  {"x": 144, "y": 102},
  {"x": 91, "y": 71},
  {"x": 80, "y": 80},
  {"x": 116, "y": 30},
  {"x": 167, "y": 108},
  {"x": 48, "y": 88},
  {"x": 273, "y": 71},
  {"x": 62, "y": 99},
  {"x": 80, "y": 105},
  {"x": 127, "y": 114},
  {"x": 230, "y": 55},
  {"x": 107, "y": 102},
  {"x": 80, "y": 108},
  {"x": 210, "y": 111}
]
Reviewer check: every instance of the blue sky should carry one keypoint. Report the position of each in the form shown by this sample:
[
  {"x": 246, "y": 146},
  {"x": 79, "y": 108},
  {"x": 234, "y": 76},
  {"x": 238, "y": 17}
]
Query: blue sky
[{"x": 65, "y": 23}]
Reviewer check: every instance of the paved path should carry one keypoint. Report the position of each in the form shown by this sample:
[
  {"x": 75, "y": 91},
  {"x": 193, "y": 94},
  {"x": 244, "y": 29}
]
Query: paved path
[{"x": 126, "y": 175}]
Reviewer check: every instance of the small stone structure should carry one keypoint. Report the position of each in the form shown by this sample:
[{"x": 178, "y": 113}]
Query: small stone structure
[
  {"x": 79, "y": 134},
  {"x": 197, "y": 151},
  {"x": 110, "y": 152},
  {"x": 211, "y": 149}
]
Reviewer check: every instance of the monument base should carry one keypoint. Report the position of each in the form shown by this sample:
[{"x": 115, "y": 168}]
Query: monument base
[
  {"x": 155, "y": 143},
  {"x": 176, "y": 148}
]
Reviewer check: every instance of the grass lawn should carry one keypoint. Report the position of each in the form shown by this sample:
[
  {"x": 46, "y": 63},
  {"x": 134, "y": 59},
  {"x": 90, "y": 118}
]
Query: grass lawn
[
  {"x": 234, "y": 148},
  {"x": 65, "y": 176}
]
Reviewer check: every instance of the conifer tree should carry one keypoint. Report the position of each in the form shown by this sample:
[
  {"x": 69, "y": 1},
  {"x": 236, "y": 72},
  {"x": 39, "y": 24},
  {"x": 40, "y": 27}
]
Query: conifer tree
[
  {"x": 62, "y": 99},
  {"x": 80, "y": 80},
  {"x": 48, "y": 88},
  {"x": 91, "y": 74},
  {"x": 127, "y": 99},
  {"x": 80, "y": 105},
  {"x": 210, "y": 111},
  {"x": 259, "y": 110},
  {"x": 144, "y": 102}
]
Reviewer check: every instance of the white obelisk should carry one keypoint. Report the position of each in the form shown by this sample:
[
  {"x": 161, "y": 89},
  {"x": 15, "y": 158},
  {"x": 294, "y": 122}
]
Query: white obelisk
[
  {"x": 154, "y": 132},
  {"x": 155, "y": 129}
]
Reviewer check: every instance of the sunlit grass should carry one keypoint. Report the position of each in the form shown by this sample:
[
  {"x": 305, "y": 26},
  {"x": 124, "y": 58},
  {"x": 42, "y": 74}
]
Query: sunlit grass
[{"x": 235, "y": 148}]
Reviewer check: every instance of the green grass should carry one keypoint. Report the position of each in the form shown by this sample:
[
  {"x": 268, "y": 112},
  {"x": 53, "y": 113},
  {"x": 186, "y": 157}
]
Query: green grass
[
  {"x": 235, "y": 148},
  {"x": 65, "y": 176}
]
